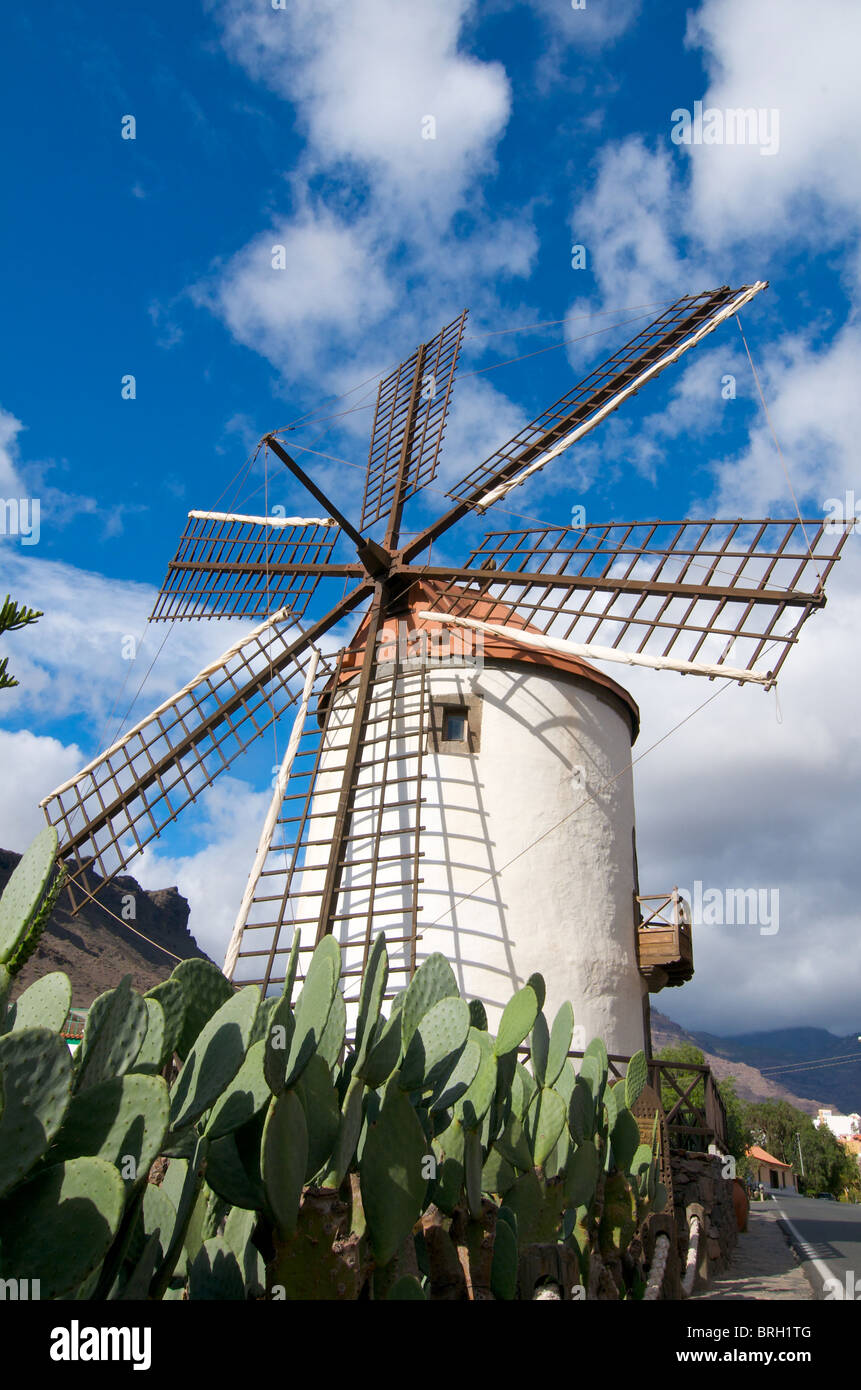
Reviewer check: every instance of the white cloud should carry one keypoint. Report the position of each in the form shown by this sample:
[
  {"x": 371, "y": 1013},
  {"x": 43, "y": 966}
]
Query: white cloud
[
  {"x": 364, "y": 77},
  {"x": 71, "y": 663},
  {"x": 586, "y": 23},
  {"x": 759, "y": 791},
  {"x": 628, "y": 224},
  {"x": 801, "y": 60},
  {"x": 228, "y": 821},
  {"x": 815, "y": 407},
  {"x": 30, "y": 766},
  {"x": 331, "y": 288}
]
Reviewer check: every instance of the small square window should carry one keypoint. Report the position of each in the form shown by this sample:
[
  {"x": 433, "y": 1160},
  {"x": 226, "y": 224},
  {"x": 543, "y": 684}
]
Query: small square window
[
  {"x": 455, "y": 728},
  {"x": 455, "y": 725}
]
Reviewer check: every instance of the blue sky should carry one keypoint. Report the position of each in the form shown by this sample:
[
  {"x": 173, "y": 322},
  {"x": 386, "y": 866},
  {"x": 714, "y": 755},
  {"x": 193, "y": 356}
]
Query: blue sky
[{"x": 302, "y": 126}]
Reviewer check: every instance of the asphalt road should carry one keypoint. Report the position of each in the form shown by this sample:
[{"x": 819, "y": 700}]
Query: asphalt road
[{"x": 827, "y": 1237}]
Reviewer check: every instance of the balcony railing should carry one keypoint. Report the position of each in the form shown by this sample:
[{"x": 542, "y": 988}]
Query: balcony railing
[{"x": 664, "y": 944}]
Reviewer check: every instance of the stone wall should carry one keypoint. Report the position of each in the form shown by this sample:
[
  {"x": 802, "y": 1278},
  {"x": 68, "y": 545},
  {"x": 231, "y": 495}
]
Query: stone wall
[{"x": 698, "y": 1183}]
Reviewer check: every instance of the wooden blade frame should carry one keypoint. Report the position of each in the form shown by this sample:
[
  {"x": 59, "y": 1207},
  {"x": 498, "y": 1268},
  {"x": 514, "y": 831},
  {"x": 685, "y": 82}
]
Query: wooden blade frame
[
  {"x": 363, "y": 877},
  {"x": 123, "y": 799},
  {"x": 409, "y": 422},
  {"x": 711, "y": 591},
  {"x": 664, "y": 336},
  {"x": 230, "y": 566}
]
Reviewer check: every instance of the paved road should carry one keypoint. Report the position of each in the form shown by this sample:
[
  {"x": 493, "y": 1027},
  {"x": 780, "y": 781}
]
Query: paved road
[{"x": 827, "y": 1237}]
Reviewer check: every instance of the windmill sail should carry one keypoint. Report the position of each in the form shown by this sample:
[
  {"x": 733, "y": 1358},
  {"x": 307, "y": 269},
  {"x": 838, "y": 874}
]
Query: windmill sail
[
  {"x": 230, "y": 566},
  {"x": 704, "y": 593},
  {"x": 125, "y": 797},
  {"x": 409, "y": 421},
  {"x": 379, "y": 853}
]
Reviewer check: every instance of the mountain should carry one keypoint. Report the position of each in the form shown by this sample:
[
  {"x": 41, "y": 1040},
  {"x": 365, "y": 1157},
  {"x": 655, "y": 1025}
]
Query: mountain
[
  {"x": 745, "y": 1054},
  {"x": 96, "y": 951}
]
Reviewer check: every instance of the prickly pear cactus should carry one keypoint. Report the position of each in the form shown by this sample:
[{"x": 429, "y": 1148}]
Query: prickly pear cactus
[{"x": 420, "y": 1159}]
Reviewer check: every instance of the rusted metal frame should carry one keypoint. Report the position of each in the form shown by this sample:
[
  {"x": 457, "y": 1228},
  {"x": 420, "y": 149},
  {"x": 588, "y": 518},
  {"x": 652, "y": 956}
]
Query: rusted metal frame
[
  {"x": 377, "y": 839},
  {"x": 363, "y": 834},
  {"x": 511, "y": 542},
  {"x": 547, "y": 614},
  {"x": 223, "y": 714},
  {"x": 402, "y": 477},
  {"x": 720, "y": 608},
  {"x": 324, "y": 570},
  {"x": 606, "y": 584},
  {"x": 529, "y": 451},
  {"x": 290, "y": 870},
  {"x": 314, "y": 490},
  {"x": 334, "y": 871},
  {"x": 391, "y": 405},
  {"x": 630, "y": 617},
  {"x": 446, "y": 366},
  {"x": 786, "y": 640}
]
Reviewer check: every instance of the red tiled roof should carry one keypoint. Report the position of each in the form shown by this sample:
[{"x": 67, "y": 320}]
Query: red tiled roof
[
  {"x": 423, "y": 594},
  {"x": 756, "y": 1152}
]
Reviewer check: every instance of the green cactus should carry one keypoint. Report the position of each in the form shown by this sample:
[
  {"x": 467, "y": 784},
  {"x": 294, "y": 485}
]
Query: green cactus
[
  {"x": 36, "y": 1076},
  {"x": 123, "y": 1120},
  {"x": 392, "y": 1180},
  {"x": 503, "y": 1272},
  {"x": 45, "y": 1004},
  {"x": 436, "y": 1044},
  {"x": 313, "y": 1007},
  {"x": 243, "y": 1098},
  {"x": 24, "y": 894},
  {"x": 374, "y": 981},
  {"x": 322, "y": 1113},
  {"x": 59, "y": 1226},
  {"x": 204, "y": 990},
  {"x": 215, "y": 1272},
  {"x": 545, "y": 1120},
  {"x": 635, "y": 1078},
  {"x": 475, "y": 1102},
  {"x": 284, "y": 1159},
  {"x": 518, "y": 1018},
  {"x": 153, "y": 1052},
  {"x": 478, "y": 1015},
  {"x": 559, "y": 1044},
  {"x": 214, "y": 1060},
  {"x": 434, "y": 980},
  {"x": 170, "y": 996},
  {"x": 114, "y": 1034}
]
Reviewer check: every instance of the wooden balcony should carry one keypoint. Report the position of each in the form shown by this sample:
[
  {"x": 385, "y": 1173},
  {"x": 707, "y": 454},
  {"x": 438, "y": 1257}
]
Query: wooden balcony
[{"x": 664, "y": 945}]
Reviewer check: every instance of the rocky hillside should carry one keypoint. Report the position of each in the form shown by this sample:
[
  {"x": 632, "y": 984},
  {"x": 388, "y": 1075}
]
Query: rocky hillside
[
  {"x": 750, "y": 1083},
  {"x": 96, "y": 951}
]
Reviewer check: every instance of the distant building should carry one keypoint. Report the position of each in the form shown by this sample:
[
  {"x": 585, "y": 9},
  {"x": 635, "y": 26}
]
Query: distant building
[
  {"x": 769, "y": 1171},
  {"x": 842, "y": 1126}
]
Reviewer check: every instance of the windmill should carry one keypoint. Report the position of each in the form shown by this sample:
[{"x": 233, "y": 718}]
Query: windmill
[{"x": 457, "y": 773}]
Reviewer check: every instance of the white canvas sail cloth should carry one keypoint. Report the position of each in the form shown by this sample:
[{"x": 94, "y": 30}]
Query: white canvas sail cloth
[{"x": 589, "y": 651}]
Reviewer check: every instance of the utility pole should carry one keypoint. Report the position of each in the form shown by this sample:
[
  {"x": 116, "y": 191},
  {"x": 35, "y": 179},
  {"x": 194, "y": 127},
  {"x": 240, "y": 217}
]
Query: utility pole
[{"x": 800, "y": 1154}]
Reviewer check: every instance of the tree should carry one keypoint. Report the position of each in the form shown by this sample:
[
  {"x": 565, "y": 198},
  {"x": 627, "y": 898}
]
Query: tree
[
  {"x": 683, "y": 1054},
  {"x": 738, "y": 1135},
  {"x": 781, "y": 1129},
  {"x": 11, "y": 619}
]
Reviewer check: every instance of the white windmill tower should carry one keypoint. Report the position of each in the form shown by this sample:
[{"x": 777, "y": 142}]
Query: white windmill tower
[{"x": 459, "y": 775}]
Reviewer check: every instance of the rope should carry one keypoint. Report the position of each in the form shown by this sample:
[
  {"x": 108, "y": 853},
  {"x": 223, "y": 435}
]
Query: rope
[
  {"x": 690, "y": 1277},
  {"x": 658, "y": 1269},
  {"x": 122, "y": 923}
]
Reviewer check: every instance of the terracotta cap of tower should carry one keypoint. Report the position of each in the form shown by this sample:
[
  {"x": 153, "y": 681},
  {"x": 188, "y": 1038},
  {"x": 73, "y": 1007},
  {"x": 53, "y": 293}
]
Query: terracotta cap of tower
[{"x": 423, "y": 594}]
